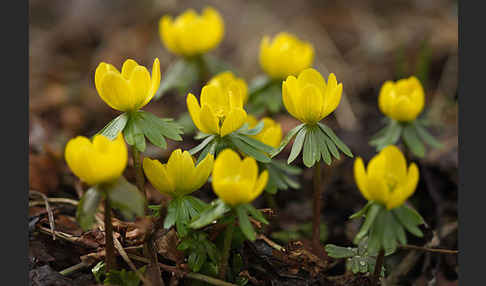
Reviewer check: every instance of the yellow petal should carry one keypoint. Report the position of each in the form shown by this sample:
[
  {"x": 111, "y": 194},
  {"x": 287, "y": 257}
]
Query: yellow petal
[
  {"x": 167, "y": 34},
  {"x": 157, "y": 175},
  {"x": 234, "y": 120},
  {"x": 311, "y": 76},
  {"x": 396, "y": 164},
  {"x": 208, "y": 119},
  {"x": 332, "y": 95},
  {"x": 195, "y": 112},
  {"x": 405, "y": 190},
  {"x": 403, "y": 109},
  {"x": 99, "y": 161},
  {"x": 202, "y": 171},
  {"x": 116, "y": 91},
  {"x": 213, "y": 96},
  {"x": 377, "y": 189},
  {"x": 155, "y": 80},
  {"x": 386, "y": 97},
  {"x": 226, "y": 165},
  {"x": 180, "y": 168},
  {"x": 140, "y": 83},
  {"x": 127, "y": 68},
  {"x": 100, "y": 72},
  {"x": 248, "y": 170},
  {"x": 260, "y": 185},
  {"x": 290, "y": 95},
  {"x": 361, "y": 177},
  {"x": 311, "y": 104}
]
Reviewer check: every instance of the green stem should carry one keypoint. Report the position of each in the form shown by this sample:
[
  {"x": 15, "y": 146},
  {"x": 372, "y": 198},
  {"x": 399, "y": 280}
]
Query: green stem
[
  {"x": 203, "y": 69},
  {"x": 208, "y": 279},
  {"x": 378, "y": 265},
  {"x": 110, "y": 259},
  {"x": 139, "y": 178},
  {"x": 316, "y": 220},
  {"x": 228, "y": 236}
]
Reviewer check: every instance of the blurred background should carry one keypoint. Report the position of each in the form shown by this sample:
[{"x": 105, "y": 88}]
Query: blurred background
[{"x": 363, "y": 42}]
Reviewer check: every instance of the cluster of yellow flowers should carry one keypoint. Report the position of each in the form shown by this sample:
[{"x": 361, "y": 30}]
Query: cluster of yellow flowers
[{"x": 306, "y": 95}]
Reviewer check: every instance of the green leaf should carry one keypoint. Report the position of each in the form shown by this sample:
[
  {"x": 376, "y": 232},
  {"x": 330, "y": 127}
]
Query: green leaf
[
  {"x": 287, "y": 139},
  {"x": 98, "y": 270},
  {"x": 216, "y": 65},
  {"x": 331, "y": 147},
  {"x": 87, "y": 207},
  {"x": 284, "y": 167},
  {"x": 375, "y": 238},
  {"x": 196, "y": 260},
  {"x": 133, "y": 134},
  {"x": 249, "y": 150},
  {"x": 182, "y": 217},
  {"x": 209, "y": 149},
  {"x": 310, "y": 149},
  {"x": 412, "y": 141},
  {"x": 256, "y": 214},
  {"x": 336, "y": 140},
  {"x": 123, "y": 277},
  {"x": 254, "y": 131},
  {"x": 362, "y": 211},
  {"x": 171, "y": 216},
  {"x": 244, "y": 222},
  {"x": 388, "y": 239},
  {"x": 426, "y": 136},
  {"x": 115, "y": 126},
  {"x": 371, "y": 215},
  {"x": 409, "y": 219},
  {"x": 323, "y": 151},
  {"x": 181, "y": 75},
  {"x": 165, "y": 126},
  {"x": 255, "y": 143},
  {"x": 201, "y": 146},
  {"x": 125, "y": 197},
  {"x": 258, "y": 83},
  {"x": 387, "y": 136},
  {"x": 297, "y": 146},
  {"x": 340, "y": 252},
  {"x": 213, "y": 212}
]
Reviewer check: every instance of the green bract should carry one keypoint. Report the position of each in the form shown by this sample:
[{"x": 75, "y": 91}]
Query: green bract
[
  {"x": 413, "y": 133},
  {"x": 317, "y": 141}
]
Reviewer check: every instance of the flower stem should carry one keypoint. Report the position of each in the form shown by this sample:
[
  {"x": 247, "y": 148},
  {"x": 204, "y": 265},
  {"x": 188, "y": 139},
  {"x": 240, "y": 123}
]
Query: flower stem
[
  {"x": 317, "y": 205},
  {"x": 228, "y": 236},
  {"x": 139, "y": 178},
  {"x": 110, "y": 259},
  {"x": 378, "y": 265}
]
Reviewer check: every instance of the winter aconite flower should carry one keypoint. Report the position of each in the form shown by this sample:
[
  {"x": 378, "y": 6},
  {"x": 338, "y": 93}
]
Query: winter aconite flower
[
  {"x": 221, "y": 111},
  {"x": 179, "y": 176},
  {"x": 387, "y": 179},
  {"x": 226, "y": 79},
  {"x": 129, "y": 90},
  {"x": 402, "y": 100},
  {"x": 97, "y": 161},
  {"x": 309, "y": 98},
  {"x": 236, "y": 181},
  {"x": 285, "y": 55},
  {"x": 192, "y": 34},
  {"x": 271, "y": 134}
]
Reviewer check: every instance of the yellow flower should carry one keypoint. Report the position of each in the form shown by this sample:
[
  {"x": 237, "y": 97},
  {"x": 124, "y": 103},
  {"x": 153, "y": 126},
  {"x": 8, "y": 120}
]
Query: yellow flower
[
  {"x": 179, "y": 176},
  {"x": 96, "y": 162},
  {"x": 387, "y": 179},
  {"x": 402, "y": 100},
  {"x": 271, "y": 134},
  {"x": 192, "y": 34},
  {"x": 236, "y": 181},
  {"x": 308, "y": 97},
  {"x": 225, "y": 79},
  {"x": 285, "y": 55},
  {"x": 221, "y": 111},
  {"x": 129, "y": 90}
]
